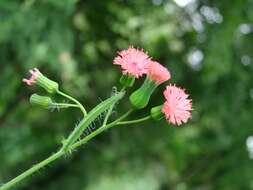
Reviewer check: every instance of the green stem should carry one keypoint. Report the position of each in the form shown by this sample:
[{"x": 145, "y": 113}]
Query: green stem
[
  {"x": 29, "y": 172},
  {"x": 99, "y": 130},
  {"x": 134, "y": 121},
  {"x": 107, "y": 115},
  {"x": 60, "y": 153},
  {"x": 64, "y": 105},
  {"x": 110, "y": 111},
  {"x": 74, "y": 100}
]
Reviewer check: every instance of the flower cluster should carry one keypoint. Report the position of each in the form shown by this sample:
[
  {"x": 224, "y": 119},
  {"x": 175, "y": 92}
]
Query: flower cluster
[{"x": 136, "y": 63}]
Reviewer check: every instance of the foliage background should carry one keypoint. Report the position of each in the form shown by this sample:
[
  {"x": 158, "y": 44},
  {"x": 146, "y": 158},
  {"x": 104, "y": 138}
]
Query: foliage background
[{"x": 207, "y": 45}]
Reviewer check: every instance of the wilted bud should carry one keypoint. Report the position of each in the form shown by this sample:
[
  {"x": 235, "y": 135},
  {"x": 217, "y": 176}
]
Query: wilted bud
[
  {"x": 127, "y": 80},
  {"x": 43, "y": 101},
  {"x": 38, "y": 78},
  {"x": 156, "y": 112},
  {"x": 140, "y": 98}
]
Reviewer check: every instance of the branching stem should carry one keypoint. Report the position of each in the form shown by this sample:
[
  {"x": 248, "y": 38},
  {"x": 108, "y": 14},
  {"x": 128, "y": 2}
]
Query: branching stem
[
  {"x": 74, "y": 100},
  {"x": 110, "y": 111},
  {"x": 33, "y": 169},
  {"x": 60, "y": 153}
]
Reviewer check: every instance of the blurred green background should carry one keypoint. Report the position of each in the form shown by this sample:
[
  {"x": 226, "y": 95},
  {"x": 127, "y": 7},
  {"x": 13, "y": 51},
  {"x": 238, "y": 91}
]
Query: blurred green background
[{"x": 207, "y": 46}]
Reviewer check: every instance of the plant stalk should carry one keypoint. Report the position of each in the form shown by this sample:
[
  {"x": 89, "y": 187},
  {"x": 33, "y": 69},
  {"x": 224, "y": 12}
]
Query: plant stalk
[
  {"x": 30, "y": 171},
  {"x": 59, "y": 154}
]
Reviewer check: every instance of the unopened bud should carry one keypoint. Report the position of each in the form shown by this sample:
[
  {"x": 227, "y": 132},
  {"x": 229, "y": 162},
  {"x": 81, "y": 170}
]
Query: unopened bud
[
  {"x": 140, "y": 98},
  {"x": 156, "y": 112},
  {"x": 38, "y": 78},
  {"x": 42, "y": 101}
]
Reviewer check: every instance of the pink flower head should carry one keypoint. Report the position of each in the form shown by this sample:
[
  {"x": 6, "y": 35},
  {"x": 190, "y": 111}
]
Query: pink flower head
[
  {"x": 177, "y": 106},
  {"x": 34, "y": 75},
  {"x": 157, "y": 72},
  {"x": 132, "y": 61}
]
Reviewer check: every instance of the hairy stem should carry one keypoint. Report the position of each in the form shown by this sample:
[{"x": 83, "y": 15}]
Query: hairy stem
[
  {"x": 30, "y": 171},
  {"x": 59, "y": 154},
  {"x": 110, "y": 111},
  {"x": 92, "y": 115},
  {"x": 99, "y": 130}
]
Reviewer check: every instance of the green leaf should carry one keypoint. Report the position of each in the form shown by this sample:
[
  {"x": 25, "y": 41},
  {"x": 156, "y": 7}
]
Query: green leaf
[{"x": 92, "y": 115}]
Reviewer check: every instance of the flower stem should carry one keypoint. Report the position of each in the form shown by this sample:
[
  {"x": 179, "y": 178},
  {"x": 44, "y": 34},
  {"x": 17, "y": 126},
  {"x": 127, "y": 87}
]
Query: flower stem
[
  {"x": 64, "y": 105},
  {"x": 30, "y": 171},
  {"x": 134, "y": 121},
  {"x": 110, "y": 111},
  {"x": 74, "y": 100},
  {"x": 107, "y": 115},
  {"x": 99, "y": 130}
]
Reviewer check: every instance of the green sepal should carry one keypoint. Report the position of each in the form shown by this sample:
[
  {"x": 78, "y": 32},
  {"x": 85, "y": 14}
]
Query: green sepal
[
  {"x": 156, "y": 112},
  {"x": 42, "y": 101},
  {"x": 127, "y": 80},
  {"x": 46, "y": 83},
  {"x": 140, "y": 98}
]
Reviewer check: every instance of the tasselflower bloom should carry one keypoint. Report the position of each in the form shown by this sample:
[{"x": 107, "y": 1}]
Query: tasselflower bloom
[
  {"x": 34, "y": 75},
  {"x": 132, "y": 61},
  {"x": 38, "y": 78},
  {"x": 178, "y": 106},
  {"x": 157, "y": 72}
]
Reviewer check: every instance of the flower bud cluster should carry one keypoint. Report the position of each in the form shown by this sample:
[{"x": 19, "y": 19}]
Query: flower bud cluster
[{"x": 51, "y": 87}]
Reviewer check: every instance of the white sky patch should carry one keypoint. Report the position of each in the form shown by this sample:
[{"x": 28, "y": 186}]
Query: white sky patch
[
  {"x": 183, "y": 3},
  {"x": 245, "y": 28},
  {"x": 197, "y": 22},
  {"x": 212, "y": 15},
  {"x": 195, "y": 58},
  {"x": 249, "y": 144},
  {"x": 157, "y": 2},
  {"x": 169, "y": 8},
  {"x": 246, "y": 60}
]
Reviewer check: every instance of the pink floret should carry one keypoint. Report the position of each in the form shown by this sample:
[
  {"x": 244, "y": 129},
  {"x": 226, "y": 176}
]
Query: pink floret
[
  {"x": 34, "y": 74},
  {"x": 157, "y": 72},
  {"x": 177, "y": 106},
  {"x": 132, "y": 61}
]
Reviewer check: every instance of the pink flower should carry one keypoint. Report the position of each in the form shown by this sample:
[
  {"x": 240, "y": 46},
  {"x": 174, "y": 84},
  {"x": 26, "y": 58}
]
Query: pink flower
[
  {"x": 34, "y": 75},
  {"x": 157, "y": 72},
  {"x": 177, "y": 106},
  {"x": 132, "y": 61}
]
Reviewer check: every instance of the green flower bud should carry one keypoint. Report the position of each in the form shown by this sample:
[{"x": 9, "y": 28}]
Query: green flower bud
[
  {"x": 156, "y": 112},
  {"x": 42, "y": 101},
  {"x": 49, "y": 85},
  {"x": 140, "y": 98},
  {"x": 38, "y": 78},
  {"x": 127, "y": 80}
]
